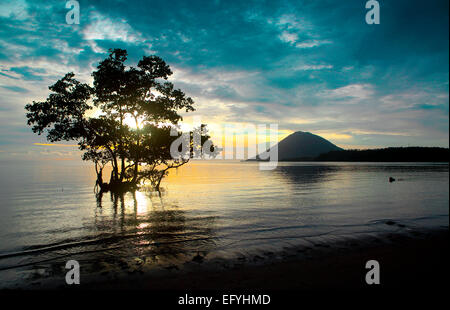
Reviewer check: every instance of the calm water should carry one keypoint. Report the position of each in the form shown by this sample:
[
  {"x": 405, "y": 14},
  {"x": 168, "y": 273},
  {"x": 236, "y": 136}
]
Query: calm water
[{"x": 49, "y": 213}]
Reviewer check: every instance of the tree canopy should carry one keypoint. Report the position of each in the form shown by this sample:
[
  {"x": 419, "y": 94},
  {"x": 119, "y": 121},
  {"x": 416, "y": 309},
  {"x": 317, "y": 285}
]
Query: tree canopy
[{"x": 121, "y": 95}]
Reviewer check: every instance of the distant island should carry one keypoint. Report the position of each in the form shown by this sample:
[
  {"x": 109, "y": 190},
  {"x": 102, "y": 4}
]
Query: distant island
[
  {"x": 301, "y": 145},
  {"x": 305, "y": 146}
]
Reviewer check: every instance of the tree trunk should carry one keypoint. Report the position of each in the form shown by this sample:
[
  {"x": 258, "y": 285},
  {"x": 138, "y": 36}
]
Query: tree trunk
[
  {"x": 122, "y": 173},
  {"x": 135, "y": 173},
  {"x": 115, "y": 170},
  {"x": 136, "y": 163},
  {"x": 160, "y": 179},
  {"x": 99, "y": 176}
]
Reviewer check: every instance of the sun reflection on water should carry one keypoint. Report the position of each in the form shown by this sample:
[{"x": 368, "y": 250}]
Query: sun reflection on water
[{"x": 142, "y": 202}]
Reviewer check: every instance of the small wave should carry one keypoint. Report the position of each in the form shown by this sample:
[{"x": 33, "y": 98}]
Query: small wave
[{"x": 112, "y": 239}]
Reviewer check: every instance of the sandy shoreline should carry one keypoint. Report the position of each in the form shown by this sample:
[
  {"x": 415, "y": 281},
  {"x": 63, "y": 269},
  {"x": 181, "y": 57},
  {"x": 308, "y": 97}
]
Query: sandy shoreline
[{"x": 416, "y": 261}]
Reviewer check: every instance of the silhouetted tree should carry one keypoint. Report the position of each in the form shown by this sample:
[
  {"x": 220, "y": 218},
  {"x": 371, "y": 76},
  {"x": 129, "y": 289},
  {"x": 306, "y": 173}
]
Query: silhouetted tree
[{"x": 119, "y": 93}]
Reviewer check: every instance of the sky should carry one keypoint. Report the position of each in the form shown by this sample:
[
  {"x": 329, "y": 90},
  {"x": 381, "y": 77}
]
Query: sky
[{"x": 307, "y": 65}]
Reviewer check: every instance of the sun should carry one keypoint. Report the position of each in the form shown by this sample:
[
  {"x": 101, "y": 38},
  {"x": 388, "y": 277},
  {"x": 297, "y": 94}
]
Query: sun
[{"x": 131, "y": 122}]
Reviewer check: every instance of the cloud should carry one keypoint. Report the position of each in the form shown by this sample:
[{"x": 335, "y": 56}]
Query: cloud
[
  {"x": 311, "y": 43},
  {"x": 16, "y": 9},
  {"x": 16, "y": 89},
  {"x": 415, "y": 99},
  {"x": 292, "y": 22},
  {"x": 354, "y": 92},
  {"x": 293, "y": 63},
  {"x": 53, "y": 144},
  {"x": 335, "y": 136},
  {"x": 288, "y": 37},
  {"x": 313, "y": 67},
  {"x": 104, "y": 28},
  {"x": 297, "y": 32}
]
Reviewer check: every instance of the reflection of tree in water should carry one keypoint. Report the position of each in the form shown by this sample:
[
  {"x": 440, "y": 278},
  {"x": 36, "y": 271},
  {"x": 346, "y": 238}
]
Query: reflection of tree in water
[{"x": 161, "y": 233}]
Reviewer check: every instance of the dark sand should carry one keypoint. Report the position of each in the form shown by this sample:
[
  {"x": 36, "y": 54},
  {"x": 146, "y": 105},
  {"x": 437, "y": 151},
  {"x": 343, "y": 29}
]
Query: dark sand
[
  {"x": 405, "y": 263},
  {"x": 413, "y": 272}
]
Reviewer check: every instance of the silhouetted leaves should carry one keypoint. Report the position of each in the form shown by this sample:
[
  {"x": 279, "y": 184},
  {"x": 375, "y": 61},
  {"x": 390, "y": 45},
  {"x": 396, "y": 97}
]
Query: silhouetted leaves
[{"x": 119, "y": 94}]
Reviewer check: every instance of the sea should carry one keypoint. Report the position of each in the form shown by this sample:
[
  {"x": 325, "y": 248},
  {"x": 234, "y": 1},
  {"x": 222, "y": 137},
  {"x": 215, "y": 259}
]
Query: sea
[{"x": 210, "y": 210}]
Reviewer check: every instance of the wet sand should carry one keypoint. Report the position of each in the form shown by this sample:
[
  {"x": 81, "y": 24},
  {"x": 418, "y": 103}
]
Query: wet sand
[{"x": 417, "y": 263}]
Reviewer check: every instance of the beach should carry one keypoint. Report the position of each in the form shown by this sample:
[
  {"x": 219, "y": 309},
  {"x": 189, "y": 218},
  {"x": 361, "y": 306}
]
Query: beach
[{"x": 417, "y": 261}]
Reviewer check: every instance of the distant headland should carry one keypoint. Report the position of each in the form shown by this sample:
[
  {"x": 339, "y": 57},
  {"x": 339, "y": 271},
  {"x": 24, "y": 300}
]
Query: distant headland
[{"x": 305, "y": 146}]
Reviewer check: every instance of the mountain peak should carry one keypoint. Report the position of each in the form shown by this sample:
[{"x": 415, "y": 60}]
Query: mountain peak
[{"x": 302, "y": 132}]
